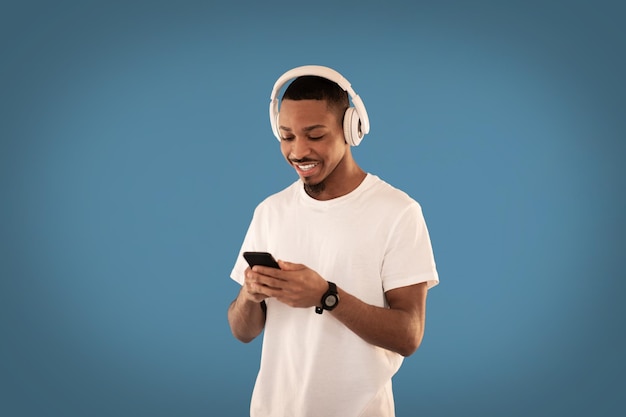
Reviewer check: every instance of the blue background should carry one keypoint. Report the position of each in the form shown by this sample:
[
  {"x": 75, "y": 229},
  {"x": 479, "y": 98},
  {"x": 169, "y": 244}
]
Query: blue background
[{"x": 135, "y": 144}]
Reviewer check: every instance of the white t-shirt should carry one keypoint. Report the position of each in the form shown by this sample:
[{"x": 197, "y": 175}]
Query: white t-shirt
[{"x": 369, "y": 241}]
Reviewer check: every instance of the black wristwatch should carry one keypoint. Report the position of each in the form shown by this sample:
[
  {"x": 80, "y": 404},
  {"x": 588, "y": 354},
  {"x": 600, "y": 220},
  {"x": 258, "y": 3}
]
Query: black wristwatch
[{"x": 330, "y": 299}]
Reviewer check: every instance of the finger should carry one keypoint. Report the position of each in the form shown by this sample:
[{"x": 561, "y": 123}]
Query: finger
[
  {"x": 267, "y": 271},
  {"x": 257, "y": 291},
  {"x": 256, "y": 276},
  {"x": 269, "y": 282},
  {"x": 260, "y": 280},
  {"x": 289, "y": 266},
  {"x": 265, "y": 291}
]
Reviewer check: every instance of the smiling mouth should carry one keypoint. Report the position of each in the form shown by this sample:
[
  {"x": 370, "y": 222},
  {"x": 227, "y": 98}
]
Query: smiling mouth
[{"x": 306, "y": 167}]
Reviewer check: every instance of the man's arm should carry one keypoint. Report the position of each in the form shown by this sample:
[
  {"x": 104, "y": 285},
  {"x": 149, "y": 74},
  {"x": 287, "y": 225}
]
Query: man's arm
[
  {"x": 246, "y": 317},
  {"x": 399, "y": 328}
]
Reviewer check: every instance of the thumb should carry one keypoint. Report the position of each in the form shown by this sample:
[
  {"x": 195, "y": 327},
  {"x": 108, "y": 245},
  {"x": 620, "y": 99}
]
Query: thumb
[{"x": 289, "y": 266}]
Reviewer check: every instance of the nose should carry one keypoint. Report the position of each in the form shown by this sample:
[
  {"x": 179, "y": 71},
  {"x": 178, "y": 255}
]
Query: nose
[{"x": 299, "y": 148}]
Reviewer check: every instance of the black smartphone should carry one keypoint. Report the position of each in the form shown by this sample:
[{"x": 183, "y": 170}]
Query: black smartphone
[{"x": 260, "y": 258}]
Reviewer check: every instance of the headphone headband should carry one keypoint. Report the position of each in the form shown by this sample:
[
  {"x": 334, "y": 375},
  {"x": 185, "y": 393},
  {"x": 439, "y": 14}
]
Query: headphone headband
[{"x": 356, "y": 121}]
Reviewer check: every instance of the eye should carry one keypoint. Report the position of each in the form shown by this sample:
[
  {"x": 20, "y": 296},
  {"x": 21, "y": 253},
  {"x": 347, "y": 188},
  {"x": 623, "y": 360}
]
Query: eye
[
  {"x": 316, "y": 137},
  {"x": 286, "y": 138}
]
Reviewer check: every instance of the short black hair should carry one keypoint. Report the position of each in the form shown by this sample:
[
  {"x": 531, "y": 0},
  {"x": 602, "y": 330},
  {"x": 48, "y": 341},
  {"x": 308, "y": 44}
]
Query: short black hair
[{"x": 313, "y": 87}]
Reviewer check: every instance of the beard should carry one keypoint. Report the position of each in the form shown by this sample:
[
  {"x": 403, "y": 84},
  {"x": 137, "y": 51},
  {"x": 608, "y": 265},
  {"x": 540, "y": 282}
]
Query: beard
[{"x": 314, "y": 189}]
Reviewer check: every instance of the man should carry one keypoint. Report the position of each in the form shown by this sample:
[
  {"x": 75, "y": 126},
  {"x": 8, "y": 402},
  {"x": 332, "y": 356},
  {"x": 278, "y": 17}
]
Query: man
[{"x": 349, "y": 300}]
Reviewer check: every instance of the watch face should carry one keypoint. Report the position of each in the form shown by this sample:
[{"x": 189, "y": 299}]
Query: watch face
[{"x": 330, "y": 301}]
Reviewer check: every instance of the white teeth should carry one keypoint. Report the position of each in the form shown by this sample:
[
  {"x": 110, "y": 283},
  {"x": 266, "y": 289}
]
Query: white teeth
[{"x": 306, "y": 167}]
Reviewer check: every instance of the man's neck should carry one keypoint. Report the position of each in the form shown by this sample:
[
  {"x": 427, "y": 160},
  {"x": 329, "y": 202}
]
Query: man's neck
[{"x": 327, "y": 190}]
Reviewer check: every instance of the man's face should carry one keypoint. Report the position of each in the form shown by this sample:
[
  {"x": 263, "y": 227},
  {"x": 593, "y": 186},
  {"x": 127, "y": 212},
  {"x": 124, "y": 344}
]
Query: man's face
[{"x": 312, "y": 141}]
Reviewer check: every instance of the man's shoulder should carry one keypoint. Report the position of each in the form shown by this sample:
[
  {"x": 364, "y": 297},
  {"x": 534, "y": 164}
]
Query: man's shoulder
[{"x": 385, "y": 192}]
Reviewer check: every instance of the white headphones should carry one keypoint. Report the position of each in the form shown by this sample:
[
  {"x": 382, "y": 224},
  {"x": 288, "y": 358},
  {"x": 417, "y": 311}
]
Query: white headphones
[{"x": 356, "y": 124}]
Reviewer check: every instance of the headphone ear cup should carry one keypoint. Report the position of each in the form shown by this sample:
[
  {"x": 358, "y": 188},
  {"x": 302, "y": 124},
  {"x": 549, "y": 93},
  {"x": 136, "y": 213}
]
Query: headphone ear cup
[
  {"x": 274, "y": 118},
  {"x": 276, "y": 130},
  {"x": 352, "y": 127}
]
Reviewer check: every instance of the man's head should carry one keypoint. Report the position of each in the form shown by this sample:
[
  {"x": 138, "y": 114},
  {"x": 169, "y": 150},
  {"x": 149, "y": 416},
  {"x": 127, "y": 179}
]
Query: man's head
[
  {"x": 310, "y": 125},
  {"x": 321, "y": 83}
]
